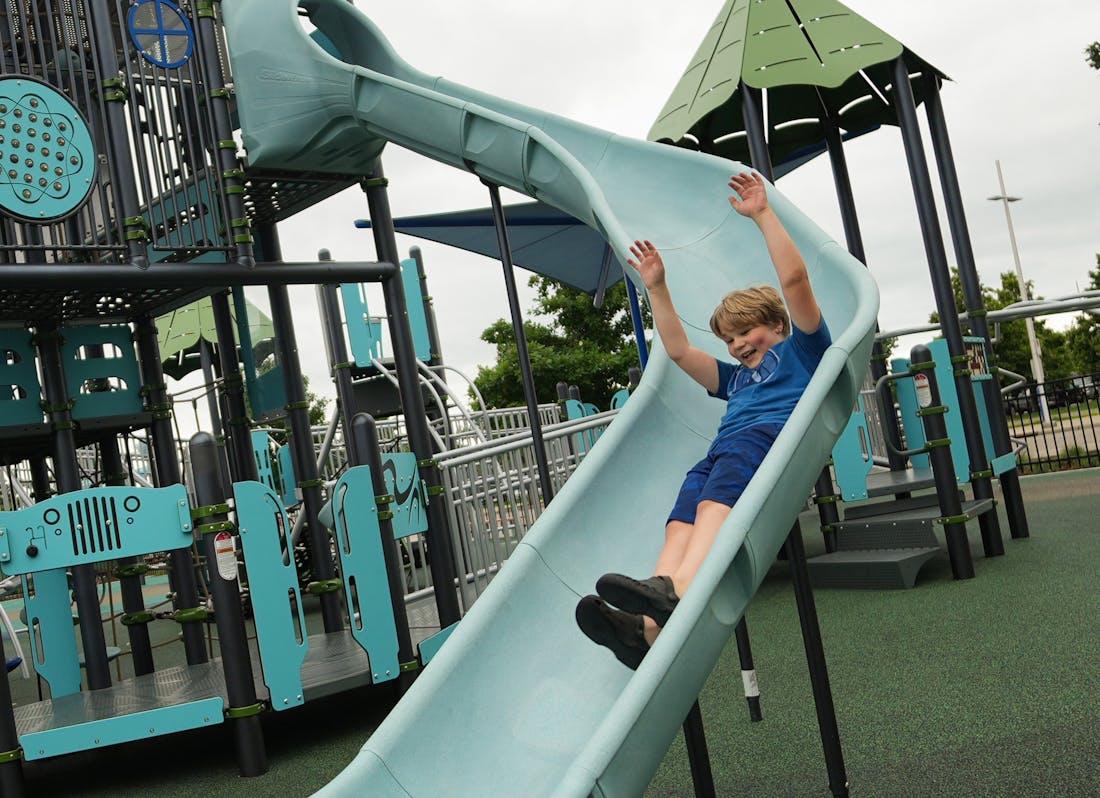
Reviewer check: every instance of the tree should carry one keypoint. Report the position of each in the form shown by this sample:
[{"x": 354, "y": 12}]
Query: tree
[
  {"x": 1092, "y": 55},
  {"x": 1011, "y": 349},
  {"x": 1083, "y": 338},
  {"x": 592, "y": 348}
]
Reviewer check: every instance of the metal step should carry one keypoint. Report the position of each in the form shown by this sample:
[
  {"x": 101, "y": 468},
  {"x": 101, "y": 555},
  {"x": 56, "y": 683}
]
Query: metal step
[
  {"x": 905, "y": 528},
  {"x": 870, "y": 568},
  {"x": 891, "y": 483}
]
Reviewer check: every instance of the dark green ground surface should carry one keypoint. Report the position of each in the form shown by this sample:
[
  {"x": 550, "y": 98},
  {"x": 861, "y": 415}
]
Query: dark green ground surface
[{"x": 985, "y": 687}]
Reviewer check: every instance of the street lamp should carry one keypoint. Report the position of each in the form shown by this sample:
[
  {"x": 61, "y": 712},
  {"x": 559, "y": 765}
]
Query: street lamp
[{"x": 1032, "y": 339}]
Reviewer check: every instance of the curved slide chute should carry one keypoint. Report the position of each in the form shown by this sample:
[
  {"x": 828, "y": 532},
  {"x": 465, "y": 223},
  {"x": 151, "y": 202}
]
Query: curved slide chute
[{"x": 518, "y": 701}]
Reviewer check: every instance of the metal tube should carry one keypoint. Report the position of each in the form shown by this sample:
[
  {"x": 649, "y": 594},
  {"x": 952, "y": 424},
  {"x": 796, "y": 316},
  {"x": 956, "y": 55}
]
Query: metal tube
[
  {"x": 412, "y": 401},
  {"x": 523, "y": 356},
  {"x": 748, "y": 669},
  {"x": 815, "y": 659},
  {"x": 972, "y": 293},
  {"x": 752, "y": 112},
  {"x": 123, "y": 276},
  {"x": 695, "y": 739},
  {"x": 238, "y": 438},
  {"x": 225, "y": 590},
  {"x": 328, "y": 296},
  {"x": 636, "y": 321},
  {"x": 945, "y": 297}
]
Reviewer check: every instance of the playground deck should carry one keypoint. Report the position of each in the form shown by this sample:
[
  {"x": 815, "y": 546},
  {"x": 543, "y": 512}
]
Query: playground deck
[{"x": 985, "y": 687}]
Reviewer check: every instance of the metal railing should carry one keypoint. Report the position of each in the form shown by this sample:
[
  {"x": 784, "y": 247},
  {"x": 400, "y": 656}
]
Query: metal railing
[{"x": 1068, "y": 436}]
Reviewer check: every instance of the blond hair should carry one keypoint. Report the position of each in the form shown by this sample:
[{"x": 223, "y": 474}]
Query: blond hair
[{"x": 748, "y": 307}]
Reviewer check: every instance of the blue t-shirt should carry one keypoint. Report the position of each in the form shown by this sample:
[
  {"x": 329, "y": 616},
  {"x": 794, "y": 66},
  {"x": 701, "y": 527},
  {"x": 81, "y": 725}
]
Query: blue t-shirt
[{"x": 768, "y": 393}]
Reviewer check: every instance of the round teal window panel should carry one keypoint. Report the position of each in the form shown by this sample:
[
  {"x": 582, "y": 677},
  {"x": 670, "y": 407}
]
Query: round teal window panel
[{"x": 47, "y": 159}]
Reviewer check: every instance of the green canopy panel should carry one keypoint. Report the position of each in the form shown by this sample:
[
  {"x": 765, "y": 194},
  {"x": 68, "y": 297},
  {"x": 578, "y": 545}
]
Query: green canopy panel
[
  {"x": 812, "y": 57},
  {"x": 179, "y": 333}
]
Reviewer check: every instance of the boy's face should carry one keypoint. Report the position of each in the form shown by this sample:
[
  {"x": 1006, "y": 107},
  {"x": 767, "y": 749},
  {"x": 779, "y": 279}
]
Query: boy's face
[{"x": 748, "y": 344}]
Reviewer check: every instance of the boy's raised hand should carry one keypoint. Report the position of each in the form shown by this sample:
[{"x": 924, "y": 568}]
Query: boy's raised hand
[
  {"x": 753, "y": 196},
  {"x": 647, "y": 261}
]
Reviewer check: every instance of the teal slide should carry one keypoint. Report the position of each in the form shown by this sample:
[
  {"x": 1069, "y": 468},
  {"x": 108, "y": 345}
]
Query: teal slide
[{"x": 518, "y": 702}]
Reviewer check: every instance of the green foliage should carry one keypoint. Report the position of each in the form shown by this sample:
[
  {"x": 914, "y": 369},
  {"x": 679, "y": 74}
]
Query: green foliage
[
  {"x": 571, "y": 341},
  {"x": 1092, "y": 55}
]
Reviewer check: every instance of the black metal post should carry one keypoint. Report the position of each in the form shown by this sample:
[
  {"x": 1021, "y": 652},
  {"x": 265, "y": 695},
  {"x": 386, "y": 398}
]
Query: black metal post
[
  {"x": 329, "y": 301},
  {"x": 129, "y": 570},
  {"x": 748, "y": 669},
  {"x": 238, "y": 433},
  {"x": 945, "y": 300},
  {"x": 167, "y": 471},
  {"x": 943, "y": 468},
  {"x": 67, "y": 477},
  {"x": 815, "y": 659},
  {"x": 975, "y": 304},
  {"x": 752, "y": 112},
  {"x": 434, "y": 346},
  {"x": 527, "y": 377},
  {"x": 206, "y": 363},
  {"x": 300, "y": 436},
  {"x": 412, "y": 401},
  {"x": 244, "y": 708},
  {"x": 695, "y": 739},
  {"x": 365, "y": 433}
]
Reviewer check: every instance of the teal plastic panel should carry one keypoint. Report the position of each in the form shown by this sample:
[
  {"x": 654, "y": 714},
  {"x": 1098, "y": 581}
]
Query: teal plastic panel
[
  {"x": 517, "y": 675},
  {"x": 619, "y": 399},
  {"x": 266, "y": 390},
  {"x": 363, "y": 567},
  {"x": 364, "y": 331},
  {"x": 261, "y": 448},
  {"x": 117, "y": 370},
  {"x": 410, "y": 507},
  {"x": 414, "y": 300},
  {"x": 273, "y": 585},
  {"x": 430, "y": 646},
  {"x": 52, "y": 644},
  {"x": 20, "y": 391},
  {"x": 88, "y": 526},
  {"x": 907, "y": 408},
  {"x": 122, "y": 729},
  {"x": 288, "y": 484},
  {"x": 852, "y": 459}
]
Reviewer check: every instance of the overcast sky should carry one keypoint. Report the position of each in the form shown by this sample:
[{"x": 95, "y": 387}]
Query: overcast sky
[{"x": 1021, "y": 92}]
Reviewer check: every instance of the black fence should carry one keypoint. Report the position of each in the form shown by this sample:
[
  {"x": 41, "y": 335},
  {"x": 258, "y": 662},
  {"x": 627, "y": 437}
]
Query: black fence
[{"x": 1057, "y": 423}]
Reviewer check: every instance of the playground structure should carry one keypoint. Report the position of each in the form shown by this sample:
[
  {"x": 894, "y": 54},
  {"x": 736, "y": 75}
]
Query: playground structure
[{"x": 165, "y": 217}]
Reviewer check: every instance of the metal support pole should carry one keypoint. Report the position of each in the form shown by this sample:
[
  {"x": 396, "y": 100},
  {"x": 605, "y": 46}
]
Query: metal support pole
[
  {"x": 206, "y": 361},
  {"x": 748, "y": 669},
  {"x": 329, "y": 302},
  {"x": 945, "y": 300},
  {"x": 67, "y": 476},
  {"x": 636, "y": 321},
  {"x": 752, "y": 111},
  {"x": 238, "y": 434},
  {"x": 943, "y": 468},
  {"x": 695, "y": 739},
  {"x": 523, "y": 356},
  {"x": 219, "y": 545},
  {"x": 815, "y": 659},
  {"x": 301, "y": 437},
  {"x": 365, "y": 433},
  {"x": 412, "y": 400},
  {"x": 167, "y": 471},
  {"x": 972, "y": 293}
]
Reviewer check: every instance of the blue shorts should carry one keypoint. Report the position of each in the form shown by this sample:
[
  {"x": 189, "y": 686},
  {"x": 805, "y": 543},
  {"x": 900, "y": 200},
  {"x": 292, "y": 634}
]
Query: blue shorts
[{"x": 724, "y": 473}]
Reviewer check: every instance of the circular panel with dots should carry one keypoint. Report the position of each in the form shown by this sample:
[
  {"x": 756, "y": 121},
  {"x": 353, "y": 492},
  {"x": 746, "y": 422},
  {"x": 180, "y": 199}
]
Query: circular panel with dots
[{"x": 47, "y": 159}]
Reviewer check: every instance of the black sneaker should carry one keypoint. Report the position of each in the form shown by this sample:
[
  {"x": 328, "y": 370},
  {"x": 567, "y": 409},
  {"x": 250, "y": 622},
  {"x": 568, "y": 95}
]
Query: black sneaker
[
  {"x": 654, "y": 597},
  {"x": 621, "y": 632}
]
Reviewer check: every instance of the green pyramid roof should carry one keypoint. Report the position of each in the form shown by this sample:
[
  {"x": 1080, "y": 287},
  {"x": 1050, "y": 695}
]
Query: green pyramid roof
[{"x": 806, "y": 54}]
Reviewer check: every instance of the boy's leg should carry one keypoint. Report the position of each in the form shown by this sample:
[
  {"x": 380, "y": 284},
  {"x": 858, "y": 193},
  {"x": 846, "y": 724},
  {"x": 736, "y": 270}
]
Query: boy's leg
[
  {"x": 708, "y": 520},
  {"x": 677, "y": 535}
]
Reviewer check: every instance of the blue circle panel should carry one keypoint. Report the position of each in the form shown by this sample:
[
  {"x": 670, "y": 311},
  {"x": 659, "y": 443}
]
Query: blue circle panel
[
  {"x": 161, "y": 32},
  {"x": 47, "y": 158}
]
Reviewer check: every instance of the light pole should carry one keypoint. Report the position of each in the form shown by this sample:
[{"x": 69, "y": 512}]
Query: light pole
[{"x": 1032, "y": 339}]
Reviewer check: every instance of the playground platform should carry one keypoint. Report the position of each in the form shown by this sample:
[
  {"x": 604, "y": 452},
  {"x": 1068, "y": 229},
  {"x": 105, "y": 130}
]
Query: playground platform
[{"x": 983, "y": 687}]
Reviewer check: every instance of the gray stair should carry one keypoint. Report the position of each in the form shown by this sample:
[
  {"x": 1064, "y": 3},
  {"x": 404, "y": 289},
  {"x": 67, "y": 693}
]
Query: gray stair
[{"x": 885, "y": 544}]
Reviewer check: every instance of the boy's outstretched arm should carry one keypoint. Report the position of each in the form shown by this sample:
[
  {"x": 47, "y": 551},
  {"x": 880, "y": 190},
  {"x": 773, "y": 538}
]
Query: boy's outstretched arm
[
  {"x": 700, "y": 366},
  {"x": 794, "y": 281}
]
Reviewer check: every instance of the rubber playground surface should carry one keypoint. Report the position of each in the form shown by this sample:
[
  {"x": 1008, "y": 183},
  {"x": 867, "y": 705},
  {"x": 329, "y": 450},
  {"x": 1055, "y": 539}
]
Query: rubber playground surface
[{"x": 986, "y": 687}]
